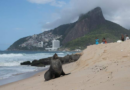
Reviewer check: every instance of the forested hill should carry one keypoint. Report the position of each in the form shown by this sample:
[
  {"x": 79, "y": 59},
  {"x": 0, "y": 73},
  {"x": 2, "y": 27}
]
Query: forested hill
[{"x": 75, "y": 35}]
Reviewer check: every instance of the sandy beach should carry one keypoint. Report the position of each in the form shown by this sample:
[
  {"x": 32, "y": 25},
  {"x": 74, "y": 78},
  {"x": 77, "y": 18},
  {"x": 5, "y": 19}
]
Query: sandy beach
[{"x": 101, "y": 67}]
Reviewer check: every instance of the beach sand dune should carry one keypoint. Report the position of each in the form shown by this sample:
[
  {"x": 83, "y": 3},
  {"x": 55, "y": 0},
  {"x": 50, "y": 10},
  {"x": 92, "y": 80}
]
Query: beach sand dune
[{"x": 101, "y": 67}]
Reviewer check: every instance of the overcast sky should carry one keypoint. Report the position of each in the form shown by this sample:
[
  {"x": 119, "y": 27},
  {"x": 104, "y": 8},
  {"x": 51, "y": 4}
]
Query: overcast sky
[
  {"x": 114, "y": 10},
  {"x": 20, "y": 18}
]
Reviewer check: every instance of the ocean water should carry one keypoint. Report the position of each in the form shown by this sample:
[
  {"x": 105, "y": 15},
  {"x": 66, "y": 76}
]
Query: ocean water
[{"x": 10, "y": 61}]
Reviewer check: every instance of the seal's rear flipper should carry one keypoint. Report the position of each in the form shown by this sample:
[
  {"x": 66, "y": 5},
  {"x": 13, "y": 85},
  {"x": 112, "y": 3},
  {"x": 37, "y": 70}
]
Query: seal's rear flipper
[
  {"x": 64, "y": 73},
  {"x": 68, "y": 74}
]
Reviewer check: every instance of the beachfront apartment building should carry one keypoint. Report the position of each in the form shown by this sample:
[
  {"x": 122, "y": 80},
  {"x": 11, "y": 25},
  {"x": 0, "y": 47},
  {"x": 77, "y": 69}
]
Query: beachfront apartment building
[{"x": 55, "y": 44}]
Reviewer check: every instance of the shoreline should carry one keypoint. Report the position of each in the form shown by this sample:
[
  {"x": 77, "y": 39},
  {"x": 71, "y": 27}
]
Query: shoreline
[
  {"x": 29, "y": 79},
  {"x": 101, "y": 67},
  {"x": 19, "y": 77}
]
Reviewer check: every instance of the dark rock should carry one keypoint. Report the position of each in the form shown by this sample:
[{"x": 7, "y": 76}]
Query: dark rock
[
  {"x": 70, "y": 58},
  {"x": 35, "y": 63},
  {"x": 65, "y": 59},
  {"x": 75, "y": 57},
  {"x": 26, "y": 63},
  {"x": 46, "y": 61}
]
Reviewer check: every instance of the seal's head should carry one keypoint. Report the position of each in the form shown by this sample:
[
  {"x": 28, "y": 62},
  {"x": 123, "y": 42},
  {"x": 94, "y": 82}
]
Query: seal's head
[{"x": 55, "y": 56}]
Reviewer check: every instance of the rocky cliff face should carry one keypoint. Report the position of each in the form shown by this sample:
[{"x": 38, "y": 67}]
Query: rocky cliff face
[{"x": 85, "y": 24}]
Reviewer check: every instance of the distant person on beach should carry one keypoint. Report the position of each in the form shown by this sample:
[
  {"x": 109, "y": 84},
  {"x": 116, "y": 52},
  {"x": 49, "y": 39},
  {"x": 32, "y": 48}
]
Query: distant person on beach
[
  {"x": 127, "y": 38},
  {"x": 97, "y": 41},
  {"x": 122, "y": 37},
  {"x": 104, "y": 41}
]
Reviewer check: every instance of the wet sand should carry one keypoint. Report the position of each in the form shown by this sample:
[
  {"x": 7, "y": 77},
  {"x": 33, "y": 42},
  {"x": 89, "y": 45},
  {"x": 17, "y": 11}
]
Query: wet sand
[{"x": 19, "y": 77}]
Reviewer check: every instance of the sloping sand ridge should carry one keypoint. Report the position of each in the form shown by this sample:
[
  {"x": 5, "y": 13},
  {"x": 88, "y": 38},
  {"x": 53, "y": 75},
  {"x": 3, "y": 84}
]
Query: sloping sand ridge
[{"x": 101, "y": 67}]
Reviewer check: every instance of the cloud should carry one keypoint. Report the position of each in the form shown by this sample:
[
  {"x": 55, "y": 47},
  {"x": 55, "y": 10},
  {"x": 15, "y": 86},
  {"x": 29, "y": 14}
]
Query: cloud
[
  {"x": 41, "y": 1},
  {"x": 117, "y": 11},
  {"x": 56, "y": 3}
]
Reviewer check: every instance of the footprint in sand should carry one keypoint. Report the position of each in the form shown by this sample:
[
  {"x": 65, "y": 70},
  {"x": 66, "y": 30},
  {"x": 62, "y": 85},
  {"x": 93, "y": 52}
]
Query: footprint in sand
[
  {"x": 104, "y": 58},
  {"x": 125, "y": 56},
  {"x": 105, "y": 51}
]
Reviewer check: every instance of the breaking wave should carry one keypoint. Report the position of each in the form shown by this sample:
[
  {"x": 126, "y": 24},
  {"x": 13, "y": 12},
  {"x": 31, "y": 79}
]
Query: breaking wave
[{"x": 11, "y": 55}]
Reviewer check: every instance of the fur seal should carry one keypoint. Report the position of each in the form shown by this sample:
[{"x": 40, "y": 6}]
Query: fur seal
[{"x": 55, "y": 69}]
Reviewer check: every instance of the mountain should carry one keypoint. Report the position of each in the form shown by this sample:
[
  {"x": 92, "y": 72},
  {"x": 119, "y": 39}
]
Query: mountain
[{"x": 75, "y": 35}]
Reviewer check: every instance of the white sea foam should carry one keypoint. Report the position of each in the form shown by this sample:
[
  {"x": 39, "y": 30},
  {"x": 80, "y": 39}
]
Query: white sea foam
[
  {"x": 15, "y": 59},
  {"x": 11, "y": 55},
  {"x": 60, "y": 53},
  {"x": 10, "y": 63},
  {"x": 16, "y": 70}
]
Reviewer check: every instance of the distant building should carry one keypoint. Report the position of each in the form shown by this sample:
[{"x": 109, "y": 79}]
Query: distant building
[
  {"x": 46, "y": 39},
  {"x": 77, "y": 50},
  {"x": 34, "y": 36},
  {"x": 23, "y": 45},
  {"x": 55, "y": 44},
  {"x": 40, "y": 44},
  {"x": 48, "y": 49}
]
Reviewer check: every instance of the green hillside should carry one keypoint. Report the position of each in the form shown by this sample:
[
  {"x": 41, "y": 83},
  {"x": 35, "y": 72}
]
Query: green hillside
[{"x": 17, "y": 43}]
